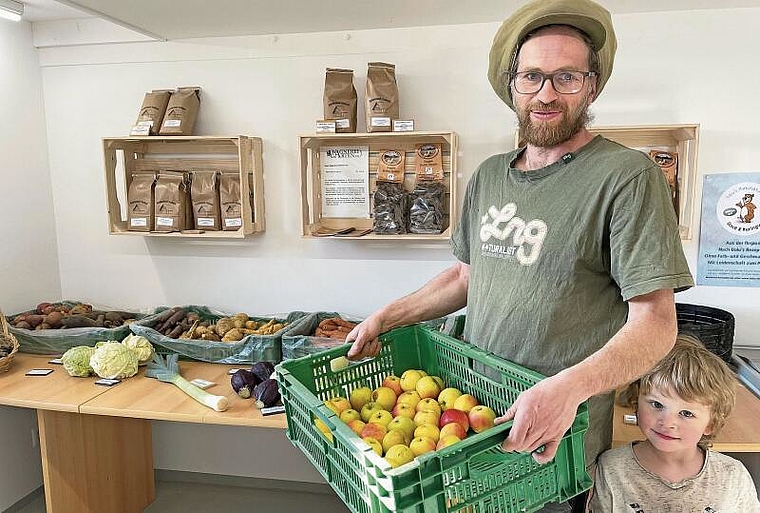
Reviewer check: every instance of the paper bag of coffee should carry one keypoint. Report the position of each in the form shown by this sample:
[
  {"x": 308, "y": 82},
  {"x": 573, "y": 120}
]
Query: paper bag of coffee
[
  {"x": 172, "y": 210},
  {"x": 668, "y": 162},
  {"x": 151, "y": 113},
  {"x": 428, "y": 211},
  {"x": 381, "y": 98},
  {"x": 181, "y": 112},
  {"x": 204, "y": 194},
  {"x": 140, "y": 202},
  {"x": 340, "y": 99},
  {"x": 230, "y": 201}
]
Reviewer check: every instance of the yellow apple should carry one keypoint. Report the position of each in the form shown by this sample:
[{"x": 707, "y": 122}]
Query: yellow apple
[
  {"x": 446, "y": 441},
  {"x": 374, "y": 444},
  {"x": 394, "y": 383},
  {"x": 429, "y": 404},
  {"x": 385, "y": 397},
  {"x": 453, "y": 429},
  {"x": 427, "y": 387},
  {"x": 426, "y": 417},
  {"x": 394, "y": 437},
  {"x": 403, "y": 410},
  {"x": 409, "y": 379},
  {"x": 422, "y": 372},
  {"x": 410, "y": 397},
  {"x": 382, "y": 417},
  {"x": 447, "y": 397},
  {"x": 481, "y": 418},
  {"x": 349, "y": 415},
  {"x": 368, "y": 409},
  {"x": 398, "y": 455},
  {"x": 373, "y": 430},
  {"x": 340, "y": 403},
  {"x": 359, "y": 397},
  {"x": 439, "y": 382},
  {"x": 428, "y": 431},
  {"x": 332, "y": 406},
  {"x": 422, "y": 444},
  {"x": 404, "y": 424},
  {"x": 322, "y": 427},
  {"x": 465, "y": 403},
  {"x": 356, "y": 426}
]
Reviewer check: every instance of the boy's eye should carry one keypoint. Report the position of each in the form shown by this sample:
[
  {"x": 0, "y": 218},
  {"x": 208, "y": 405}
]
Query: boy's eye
[
  {"x": 656, "y": 404},
  {"x": 687, "y": 414}
]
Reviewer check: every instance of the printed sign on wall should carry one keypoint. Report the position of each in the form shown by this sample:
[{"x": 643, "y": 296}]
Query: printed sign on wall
[{"x": 729, "y": 236}]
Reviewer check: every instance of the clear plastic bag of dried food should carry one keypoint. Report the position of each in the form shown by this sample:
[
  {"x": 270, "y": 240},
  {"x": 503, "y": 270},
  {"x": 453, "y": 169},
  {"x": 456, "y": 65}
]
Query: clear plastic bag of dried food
[
  {"x": 427, "y": 208},
  {"x": 391, "y": 209}
]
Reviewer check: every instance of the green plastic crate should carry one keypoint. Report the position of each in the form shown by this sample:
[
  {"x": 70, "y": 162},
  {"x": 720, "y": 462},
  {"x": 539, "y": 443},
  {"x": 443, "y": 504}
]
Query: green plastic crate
[{"x": 473, "y": 475}]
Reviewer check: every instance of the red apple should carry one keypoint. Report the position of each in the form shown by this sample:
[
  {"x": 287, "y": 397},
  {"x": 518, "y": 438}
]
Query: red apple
[
  {"x": 481, "y": 418},
  {"x": 394, "y": 383},
  {"x": 453, "y": 428},
  {"x": 457, "y": 416}
]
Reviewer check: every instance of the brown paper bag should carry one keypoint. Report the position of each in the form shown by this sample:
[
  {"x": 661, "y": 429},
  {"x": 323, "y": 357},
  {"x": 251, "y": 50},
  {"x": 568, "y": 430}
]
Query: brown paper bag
[
  {"x": 230, "y": 201},
  {"x": 181, "y": 112},
  {"x": 204, "y": 195},
  {"x": 381, "y": 99},
  {"x": 172, "y": 202},
  {"x": 152, "y": 112},
  {"x": 339, "y": 99},
  {"x": 140, "y": 202}
]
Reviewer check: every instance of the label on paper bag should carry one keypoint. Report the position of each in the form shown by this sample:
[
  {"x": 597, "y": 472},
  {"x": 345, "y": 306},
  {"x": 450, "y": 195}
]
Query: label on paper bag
[
  {"x": 164, "y": 221},
  {"x": 138, "y": 221},
  {"x": 172, "y": 123},
  {"x": 237, "y": 222},
  {"x": 205, "y": 221},
  {"x": 382, "y": 121},
  {"x": 140, "y": 130}
]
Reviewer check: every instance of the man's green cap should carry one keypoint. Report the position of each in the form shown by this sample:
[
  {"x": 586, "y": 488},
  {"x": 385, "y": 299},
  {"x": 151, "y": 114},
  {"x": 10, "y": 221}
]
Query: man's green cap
[{"x": 585, "y": 15}]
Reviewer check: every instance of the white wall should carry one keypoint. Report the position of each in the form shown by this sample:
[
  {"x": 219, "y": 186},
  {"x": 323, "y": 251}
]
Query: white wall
[{"x": 28, "y": 258}]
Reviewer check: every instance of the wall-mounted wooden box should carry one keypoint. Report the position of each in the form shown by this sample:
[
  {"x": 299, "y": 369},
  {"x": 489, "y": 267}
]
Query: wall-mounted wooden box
[
  {"x": 125, "y": 155},
  {"x": 682, "y": 139},
  {"x": 313, "y": 219}
]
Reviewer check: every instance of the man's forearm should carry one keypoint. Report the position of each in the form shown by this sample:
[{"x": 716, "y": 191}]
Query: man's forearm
[
  {"x": 444, "y": 294},
  {"x": 647, "y": 336}
]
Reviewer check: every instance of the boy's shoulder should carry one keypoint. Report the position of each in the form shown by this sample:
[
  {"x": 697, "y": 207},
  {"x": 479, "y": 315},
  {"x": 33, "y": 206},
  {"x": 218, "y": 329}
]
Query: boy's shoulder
[{"x": 725, "y": 464}]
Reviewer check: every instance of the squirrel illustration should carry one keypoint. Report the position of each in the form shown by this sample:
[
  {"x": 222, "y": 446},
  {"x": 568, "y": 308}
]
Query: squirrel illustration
[{"x": 746, "y": 208}]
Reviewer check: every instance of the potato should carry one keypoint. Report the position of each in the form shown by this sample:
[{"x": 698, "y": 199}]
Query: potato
[
  {"x": 54, "y": 319},
  {"x": 233, "y": 335}
]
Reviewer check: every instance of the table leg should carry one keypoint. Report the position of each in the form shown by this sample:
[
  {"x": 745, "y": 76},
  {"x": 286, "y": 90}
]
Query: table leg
[{"x": 94, "y": 463}]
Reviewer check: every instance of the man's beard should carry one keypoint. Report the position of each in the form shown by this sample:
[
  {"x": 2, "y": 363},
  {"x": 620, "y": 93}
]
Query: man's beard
[{"x": 550, "y": 134}]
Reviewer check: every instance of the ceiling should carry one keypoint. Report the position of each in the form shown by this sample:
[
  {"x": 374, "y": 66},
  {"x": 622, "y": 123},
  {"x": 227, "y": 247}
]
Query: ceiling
[{"x": 170, "y": 19}]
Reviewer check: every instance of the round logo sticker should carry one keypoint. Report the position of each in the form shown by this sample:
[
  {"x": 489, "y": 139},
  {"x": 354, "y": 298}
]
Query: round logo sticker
[{"x": 736, "y": 209}]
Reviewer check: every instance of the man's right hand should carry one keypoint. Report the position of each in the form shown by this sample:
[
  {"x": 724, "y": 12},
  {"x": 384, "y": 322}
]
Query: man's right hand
[{"x": 364, "y": 338}]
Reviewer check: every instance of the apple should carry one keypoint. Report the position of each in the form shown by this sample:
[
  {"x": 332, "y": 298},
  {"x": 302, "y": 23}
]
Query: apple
[
  {"x": 368, "y": 409},
  {"x": 422, "y": 444},
  {"x": 382, "y": 417},
  {"x": 322, "y": 427},
  {"x": 332, "y": 406},
  {"x": 457, "y": 416},
  {"x": 340, "y": 403},
  {"x": 394, "y": 437},
  {"x": 455, "y": 429},
  {"x": 349, "y": 415},
  {"x": 398, "y": 455},
  {"x": 394, "y": 383},
  {"x": 411, "y": 398},
  {"x": 481, "y": 418},
  {"x": 356, "y": 426},
  {"x": 409, "y": 379},
  {"x": 404, "y": 424},
  {"x": 429, "y": 404},
  {"x": 447, "y": 397},
  {"x": 465, "y": 403},
  {"x": 439, "y": 382},
  {"x": 372, "y": 430},
  {"x": 384, "y": 396},
  {"x": 446, "y": 441},
  {"x": 422, "y": 372},
  {"x": 403, "y": 410},
  {"x": 426, "y": 417},
  {"x": 427, "y": 387},
  {"x": 428, "y": 431},
  {"x": 374, "y": 444},
  {"x": 359, "y": 397}
]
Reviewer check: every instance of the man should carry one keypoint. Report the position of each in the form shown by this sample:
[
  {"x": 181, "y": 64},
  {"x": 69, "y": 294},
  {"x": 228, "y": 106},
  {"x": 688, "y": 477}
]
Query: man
[{"x": 568, "y": 249}]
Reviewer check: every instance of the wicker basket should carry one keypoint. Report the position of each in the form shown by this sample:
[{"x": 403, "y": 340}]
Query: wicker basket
[{"x": 5, "y": 362}]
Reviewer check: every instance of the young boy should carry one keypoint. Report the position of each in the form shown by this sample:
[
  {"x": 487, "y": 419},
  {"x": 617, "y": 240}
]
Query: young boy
[{"x": 681, "y": 405}]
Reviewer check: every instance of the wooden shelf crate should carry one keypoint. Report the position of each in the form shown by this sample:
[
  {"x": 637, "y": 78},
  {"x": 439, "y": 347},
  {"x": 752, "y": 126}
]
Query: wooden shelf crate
[
  {"x": 125, "y": 155},
  {"x": 311, "y": 190},
  {"x": 682, "y": 139}
]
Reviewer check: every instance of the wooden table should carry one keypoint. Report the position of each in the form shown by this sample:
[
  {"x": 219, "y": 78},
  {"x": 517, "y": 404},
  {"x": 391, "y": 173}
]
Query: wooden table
[
  {"x": 96, "y": 441},
  {"x": 740, "y": 434}
]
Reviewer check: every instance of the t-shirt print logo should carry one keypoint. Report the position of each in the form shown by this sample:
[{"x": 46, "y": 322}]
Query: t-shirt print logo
[{"x": 527, "y": 238}]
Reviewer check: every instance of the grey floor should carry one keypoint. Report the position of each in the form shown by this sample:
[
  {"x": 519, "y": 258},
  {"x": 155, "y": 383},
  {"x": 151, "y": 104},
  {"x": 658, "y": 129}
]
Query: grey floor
[{"x": 182, "y": 497}]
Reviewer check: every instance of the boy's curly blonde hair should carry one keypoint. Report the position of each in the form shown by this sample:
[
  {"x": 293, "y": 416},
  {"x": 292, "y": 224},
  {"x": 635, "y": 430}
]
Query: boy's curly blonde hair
[{"x": 694, "y": 374}]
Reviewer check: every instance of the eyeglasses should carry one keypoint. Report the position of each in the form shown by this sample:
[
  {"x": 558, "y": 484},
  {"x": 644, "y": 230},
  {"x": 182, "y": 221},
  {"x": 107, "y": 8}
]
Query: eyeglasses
[{"x": 563, "y": 81}]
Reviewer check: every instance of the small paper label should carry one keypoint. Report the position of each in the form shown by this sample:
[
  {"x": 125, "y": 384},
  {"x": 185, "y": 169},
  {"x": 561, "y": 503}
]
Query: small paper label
[
  {"x": 172, "y": 123},
  {"x": 138, "y": 221},
  {"x": 140, "y": 130},
  {"x": 403, "y": 125},
  {"x": 236, "y": 222},
  {"x": 630, "y": 419},
  {"x": 326, "y": 127},
  {"x": 202, "y": 383},
  {"x": 232, "y": 371},
  {"x": 342, "y": 123},
  {"x": 164, "y": 221},
  {"x": 380, "y": 121},
  {"x": 56, "y": 361},
  {"x": 205, "y": 221},
  {"x": 107, "y": 382},
  {"x": 147, "y": 123},
  {"x": 272, "y": 410},
  {"x": 39, "y": 372}
]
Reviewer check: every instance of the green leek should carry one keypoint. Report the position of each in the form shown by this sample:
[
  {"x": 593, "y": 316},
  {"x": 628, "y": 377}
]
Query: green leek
[{"x": 167, "y": 370}]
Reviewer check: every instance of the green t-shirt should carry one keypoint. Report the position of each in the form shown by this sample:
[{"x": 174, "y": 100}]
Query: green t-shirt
[{"x": 555, "y": 253}]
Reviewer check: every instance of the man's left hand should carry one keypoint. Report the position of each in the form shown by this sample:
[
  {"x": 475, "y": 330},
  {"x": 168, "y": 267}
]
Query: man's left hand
[{"x": 542, "y": 414}]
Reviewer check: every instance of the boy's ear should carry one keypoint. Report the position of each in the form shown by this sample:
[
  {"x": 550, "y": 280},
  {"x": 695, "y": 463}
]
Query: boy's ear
[{"x": 709, "y": 429}]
